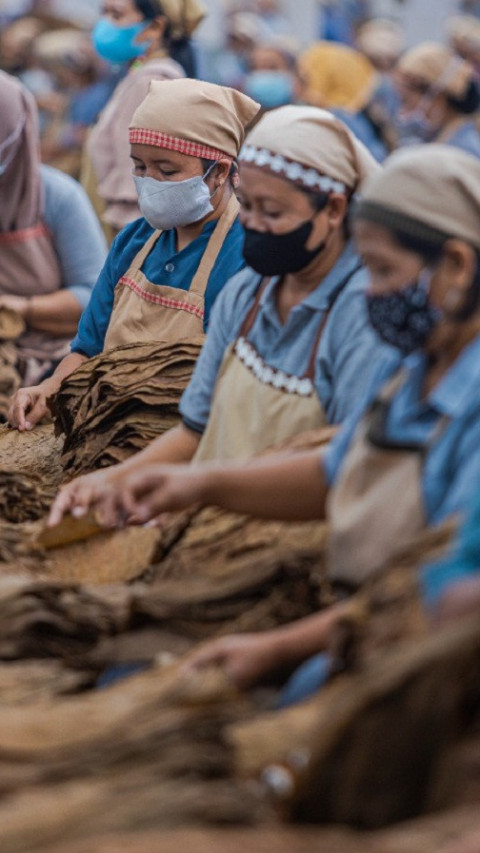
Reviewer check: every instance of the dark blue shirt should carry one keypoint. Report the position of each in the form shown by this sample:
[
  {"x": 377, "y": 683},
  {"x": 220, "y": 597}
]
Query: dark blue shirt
[{"x": 163, "y": 266}]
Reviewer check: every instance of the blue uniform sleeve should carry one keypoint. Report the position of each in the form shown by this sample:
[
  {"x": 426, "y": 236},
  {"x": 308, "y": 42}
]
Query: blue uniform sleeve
[
  {"x": 351, "y": 354},
  {"x": 94, "y": 321},
  {"x": 225, "y": 321},
  {"x": 461, "y": 563},
  {"x": 77, "y": 236}
]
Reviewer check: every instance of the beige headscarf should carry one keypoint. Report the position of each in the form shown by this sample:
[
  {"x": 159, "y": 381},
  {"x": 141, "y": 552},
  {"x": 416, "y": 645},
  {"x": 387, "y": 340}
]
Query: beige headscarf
[
  {"x": 193, "y": 117},
  {"x": 426, "y": 191},
  {"x": 184, "y": 16},
  {"x": 434, "y": 66},
  {"x": 68, "y": 47},
  {"x": 464, "y": 31},
  {"x": 21, "y": 197},
  {"x": 381, "y": 40},
  {"x": 310, "y": 148}
]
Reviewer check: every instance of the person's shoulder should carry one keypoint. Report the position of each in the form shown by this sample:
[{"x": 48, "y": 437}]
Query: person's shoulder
[
  {"x": 55, "y": 181},
  {"x": 238, "y": 292},
  {"x": 158, "y": 68},
  {"x": 62, "y": 193}
]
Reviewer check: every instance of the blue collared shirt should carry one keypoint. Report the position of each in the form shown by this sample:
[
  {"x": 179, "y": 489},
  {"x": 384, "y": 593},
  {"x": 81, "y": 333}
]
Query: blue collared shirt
[
  {"x": 348, "y": 350},
  {"x": 466, "y": 137},
  {"x": 164, "y": 265},
  {"x": 451, "y": 469}
]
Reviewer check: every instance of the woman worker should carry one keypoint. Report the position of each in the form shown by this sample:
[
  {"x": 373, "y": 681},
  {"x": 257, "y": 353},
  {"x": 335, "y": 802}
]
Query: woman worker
[
  {"x": 409, "y": 457},
  {"x": 289, "y": 346},
  {"x": 153, "y": 37},
  {"x": 51, "y": 245},
  {"x": 165, "y": 270},
  {"x": 439, "y": 94}
]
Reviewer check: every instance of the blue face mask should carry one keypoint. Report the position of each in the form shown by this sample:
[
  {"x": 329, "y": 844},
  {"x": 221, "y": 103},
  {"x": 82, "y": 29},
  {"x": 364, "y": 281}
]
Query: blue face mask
[
  {"x": 117, "y": 44},
  {"x": 270, "y": 88}
]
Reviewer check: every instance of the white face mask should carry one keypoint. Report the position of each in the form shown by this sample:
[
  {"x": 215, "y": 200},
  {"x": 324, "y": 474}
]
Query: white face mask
[{"x": 172, "y": 204}]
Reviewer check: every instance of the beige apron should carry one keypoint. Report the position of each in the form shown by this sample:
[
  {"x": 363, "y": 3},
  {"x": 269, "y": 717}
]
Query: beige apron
[
  {"x": 376, "y": 506},
  {"x": 143, "y": 311},
  {"x": 29, "y": 266},
  {"x": 256, "y": 406}
]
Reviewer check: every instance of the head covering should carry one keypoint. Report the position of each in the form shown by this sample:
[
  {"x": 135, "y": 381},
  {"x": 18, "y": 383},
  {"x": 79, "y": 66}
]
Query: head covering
[
  {"x": 381, "y": 40},
  {"x": 309, "y": 147},
  {"x": 68, "y": 47},
  {"x": 430, "y": 191},
  {"x": 247, "y": 26},
  {"x": 464, "y": 31},
  {"x": 193, "y": 117},
  {"x": 437, "y": 67},
  {"x": 20, "y": 187},
  {"x": 184, "y": 16},
  {"x": 336, "y": 76}
]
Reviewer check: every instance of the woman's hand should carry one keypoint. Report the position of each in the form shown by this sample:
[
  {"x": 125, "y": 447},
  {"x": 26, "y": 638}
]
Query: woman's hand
[
  {"x": 151, "y": 491},
  {"x": 29, "y": 405},
  {"x": 92, "y": 492},
  {"x": 245, "y": 658}
]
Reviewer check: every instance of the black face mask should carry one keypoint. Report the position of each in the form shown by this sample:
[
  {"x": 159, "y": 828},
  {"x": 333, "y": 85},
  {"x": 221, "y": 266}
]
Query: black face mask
[{"x": 278, "y": 254}]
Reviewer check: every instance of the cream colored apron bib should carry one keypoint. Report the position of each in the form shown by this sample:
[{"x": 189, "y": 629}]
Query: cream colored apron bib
[
  {"x": 29, "y": 266},
  {"x": 143, "y": 311},
  {"x": 256, "y": 406},
  {"x": 377, "y": 505}
]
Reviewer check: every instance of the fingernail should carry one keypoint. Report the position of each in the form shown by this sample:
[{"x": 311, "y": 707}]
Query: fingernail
[
  {"x": 78, "y": 511},
  {"x": 28, "y": 425}
]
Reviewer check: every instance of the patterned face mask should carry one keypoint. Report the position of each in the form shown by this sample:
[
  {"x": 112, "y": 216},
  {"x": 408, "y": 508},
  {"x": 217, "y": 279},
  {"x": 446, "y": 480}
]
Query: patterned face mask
[{"x": 405, "y": 319}]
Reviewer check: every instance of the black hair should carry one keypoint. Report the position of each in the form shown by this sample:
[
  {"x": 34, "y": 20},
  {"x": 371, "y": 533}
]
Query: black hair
[
  {"x": 206, "y": 164},
  {"x": 426, "y": 242},
  {"x": 179, "y": 49},
  {"x": 319, "y": 201},
  {"x": 470, "y": 102},
  {"x": 431, "y": 253}
]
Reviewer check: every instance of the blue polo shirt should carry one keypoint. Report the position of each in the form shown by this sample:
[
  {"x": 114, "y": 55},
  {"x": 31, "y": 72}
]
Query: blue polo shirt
[
  {"x": 164, "y": 265},
  {"x": 348, "y": 351},
  {"x": 451, "y": 469}
]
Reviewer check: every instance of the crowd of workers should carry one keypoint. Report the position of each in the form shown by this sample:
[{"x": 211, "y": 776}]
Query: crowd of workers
[{"x": 313, "y": 214}]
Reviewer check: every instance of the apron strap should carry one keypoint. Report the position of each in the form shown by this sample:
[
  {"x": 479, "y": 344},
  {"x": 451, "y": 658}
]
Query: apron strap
[
  {"x": 377, "y": 418},
  {"x": 252, "y": 314},
  {"x": 211, "y": 253},
  {"x": 144, "y": 252},
  {"x": 310, "y": 374}
]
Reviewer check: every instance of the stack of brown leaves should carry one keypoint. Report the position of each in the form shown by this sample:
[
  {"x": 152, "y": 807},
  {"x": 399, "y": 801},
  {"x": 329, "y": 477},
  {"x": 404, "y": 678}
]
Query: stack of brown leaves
[
  {"x": 18, "y": 549},
  {"x": 23, "y": 497},
  {"x": 119, "y": 401},
  {"x": 11, "y": 327},
  {"x": 149, "y": 752},
  {"x": 34, "y": 452}
]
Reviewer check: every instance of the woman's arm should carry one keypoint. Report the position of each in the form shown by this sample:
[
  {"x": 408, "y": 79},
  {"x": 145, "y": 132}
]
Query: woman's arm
[
  {"x": 55, "y": 313},
  {"x": 247, "y": 659},
  {"x": 289, "y": 487}
]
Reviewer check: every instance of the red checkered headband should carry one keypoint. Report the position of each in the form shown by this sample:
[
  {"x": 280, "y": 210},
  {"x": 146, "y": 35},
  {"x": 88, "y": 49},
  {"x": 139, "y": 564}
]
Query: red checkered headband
[{"x": 194, "y": 118}]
